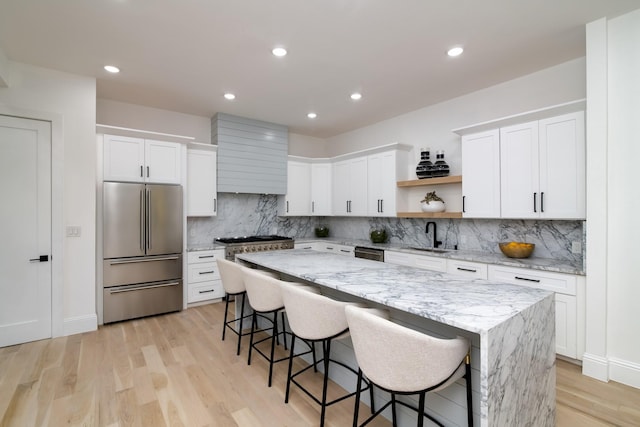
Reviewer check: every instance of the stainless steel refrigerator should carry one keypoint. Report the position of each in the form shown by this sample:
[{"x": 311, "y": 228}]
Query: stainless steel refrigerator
[{"x": 142, "y": 250}]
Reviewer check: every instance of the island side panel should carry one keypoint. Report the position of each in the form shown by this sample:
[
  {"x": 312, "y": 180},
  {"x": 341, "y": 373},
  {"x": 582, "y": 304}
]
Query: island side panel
[{"x": 519, "y": 370}]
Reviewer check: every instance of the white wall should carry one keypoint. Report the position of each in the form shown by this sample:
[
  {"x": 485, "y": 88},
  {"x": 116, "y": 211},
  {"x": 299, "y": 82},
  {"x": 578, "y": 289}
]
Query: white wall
[
  {"x": 613, "y": 293},
  {"x": 69, "y": 101},
  {"x": 133, "y": 116},
  {"x": 307, "y": 146}
]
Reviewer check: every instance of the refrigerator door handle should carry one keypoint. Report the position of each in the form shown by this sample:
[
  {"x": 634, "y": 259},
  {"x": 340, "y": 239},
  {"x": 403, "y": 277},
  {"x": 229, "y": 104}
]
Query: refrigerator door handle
[
  {"x": 142, "y": 230},
  {"x": 148, "y": 211},
  {"x": 140, "y": 288},
  {"x": 135, "y": 261}
]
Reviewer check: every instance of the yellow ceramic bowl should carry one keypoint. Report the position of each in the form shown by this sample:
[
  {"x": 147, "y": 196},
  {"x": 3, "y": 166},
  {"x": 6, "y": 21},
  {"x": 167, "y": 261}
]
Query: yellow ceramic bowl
[{"x": 517, "y": 249}]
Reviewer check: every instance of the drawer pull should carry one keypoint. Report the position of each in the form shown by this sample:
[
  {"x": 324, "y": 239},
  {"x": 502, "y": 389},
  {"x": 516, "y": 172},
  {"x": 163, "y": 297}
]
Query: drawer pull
[
  {"x": 206, "y": 292},
  {"x": 307, "y": 247},
  {"x": 205, "y": 256},
  {"x": 207, "y": 272},
  {"x": 470, "y": 270},
  {"x": 528, "y": 280},
  {"x": 345, "y": 250}
]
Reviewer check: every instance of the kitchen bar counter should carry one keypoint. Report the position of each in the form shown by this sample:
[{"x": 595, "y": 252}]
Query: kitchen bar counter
[{"x": 511, "y": 326}]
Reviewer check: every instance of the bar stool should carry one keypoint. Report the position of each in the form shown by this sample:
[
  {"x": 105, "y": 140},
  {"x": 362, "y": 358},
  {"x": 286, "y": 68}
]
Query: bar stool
[
  {"x": 233, "y": 284},
  {"x": 403, "y": 361},
  {"x": 265, "y": 298},
  {"x": 316, "y": 318}
]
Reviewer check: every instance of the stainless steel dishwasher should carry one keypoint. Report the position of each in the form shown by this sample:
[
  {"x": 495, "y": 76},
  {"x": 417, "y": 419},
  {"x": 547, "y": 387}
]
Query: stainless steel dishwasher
[{"x": 369, "y": 253}]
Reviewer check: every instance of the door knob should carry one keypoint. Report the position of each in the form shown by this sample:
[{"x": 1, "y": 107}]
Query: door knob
[{"x": 41, "y": 258}]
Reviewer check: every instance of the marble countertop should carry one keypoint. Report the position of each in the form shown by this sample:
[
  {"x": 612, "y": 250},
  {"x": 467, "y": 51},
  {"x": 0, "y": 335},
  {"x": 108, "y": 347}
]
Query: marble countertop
[
  {"x": 545, "y": 264},
  {"x": 470, "y": 304}
]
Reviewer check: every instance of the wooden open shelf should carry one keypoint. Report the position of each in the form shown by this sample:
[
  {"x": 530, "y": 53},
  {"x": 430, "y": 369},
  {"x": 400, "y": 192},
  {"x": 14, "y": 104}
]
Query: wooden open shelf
[
  {"x": 429, "y": 214},
  {"x": 456, "y": 179}
]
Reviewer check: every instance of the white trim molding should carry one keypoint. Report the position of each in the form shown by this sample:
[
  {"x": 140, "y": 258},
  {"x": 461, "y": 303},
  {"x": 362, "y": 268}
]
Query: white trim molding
[
  {"x": 80, "y": 324},
  {"x": 595, "y": 366},
  {"x": 624, "y": 372}
]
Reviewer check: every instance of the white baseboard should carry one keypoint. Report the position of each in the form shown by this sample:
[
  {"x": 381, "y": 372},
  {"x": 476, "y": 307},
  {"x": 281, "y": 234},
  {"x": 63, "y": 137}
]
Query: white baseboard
[
  {"x": 624, "y": 372},
  {"x": 595, "y": 367},
  {"x": 80, "y": 324}
]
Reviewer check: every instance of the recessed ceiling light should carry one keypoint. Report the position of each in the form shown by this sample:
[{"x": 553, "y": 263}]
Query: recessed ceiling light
[
  {"x": 356, "y": 96},
  {"x": 312, "y": 115},
  {"x": 229, "y": 96},
  {"x": 279, "y": 51},
  {"x": 112, "y": 68},
  {"x": 455, "y": 51}
]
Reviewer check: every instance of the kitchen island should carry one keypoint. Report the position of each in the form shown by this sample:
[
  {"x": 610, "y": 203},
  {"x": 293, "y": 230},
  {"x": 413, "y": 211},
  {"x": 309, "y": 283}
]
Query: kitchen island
[{"x": 511, "y": 328}]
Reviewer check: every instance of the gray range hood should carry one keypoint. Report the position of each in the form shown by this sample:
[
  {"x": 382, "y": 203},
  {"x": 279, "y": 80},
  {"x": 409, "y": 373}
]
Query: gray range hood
[{"x": 252, "y": 155}]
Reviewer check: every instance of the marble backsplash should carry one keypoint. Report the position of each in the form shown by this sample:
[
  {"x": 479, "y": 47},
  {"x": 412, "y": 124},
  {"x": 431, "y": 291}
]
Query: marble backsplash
[{"x": 252, "y": 214}]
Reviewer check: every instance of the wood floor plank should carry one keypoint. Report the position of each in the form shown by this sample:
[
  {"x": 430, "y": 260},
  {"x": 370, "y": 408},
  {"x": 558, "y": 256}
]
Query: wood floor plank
[{"x": 175, "y": 371}]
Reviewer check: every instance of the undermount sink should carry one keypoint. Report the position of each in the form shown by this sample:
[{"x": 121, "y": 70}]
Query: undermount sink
[{"x": 434, "y": 250}]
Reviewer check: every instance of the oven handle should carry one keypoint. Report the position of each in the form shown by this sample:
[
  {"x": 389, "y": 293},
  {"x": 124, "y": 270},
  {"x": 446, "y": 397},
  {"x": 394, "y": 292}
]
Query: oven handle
[{"x": 140, "y": 288}]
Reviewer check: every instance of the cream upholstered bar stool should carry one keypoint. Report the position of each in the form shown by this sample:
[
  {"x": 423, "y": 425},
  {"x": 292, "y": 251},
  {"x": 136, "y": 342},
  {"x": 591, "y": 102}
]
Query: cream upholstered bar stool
[
  {"x": 233, "y": 284},
  {"x": 317, "y": 318},
  {"x": 403, "y": 361},
  {"x": 265, "y": 298}
]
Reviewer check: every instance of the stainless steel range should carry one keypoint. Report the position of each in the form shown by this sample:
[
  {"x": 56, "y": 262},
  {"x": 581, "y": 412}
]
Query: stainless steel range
[{"x": 239, "y": 245}]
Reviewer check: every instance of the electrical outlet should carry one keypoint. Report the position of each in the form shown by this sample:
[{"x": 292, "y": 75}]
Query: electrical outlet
[
  {"x": 576, "y": 247},
  {"x": 73, "y": 231}
]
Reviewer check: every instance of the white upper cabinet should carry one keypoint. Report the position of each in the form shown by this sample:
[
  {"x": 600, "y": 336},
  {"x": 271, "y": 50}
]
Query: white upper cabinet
[
  {"x": 382, "y": 189},
  {"x": 350, "y": 187},
  {"x": 481, "y": 175},
  {"x": 201, "y": 182},
  {"x": 321, "y": 178},
  {"x": 297, "y": 201},
  {"x": 139, "y": 160},
  {"x": 543, "y": 168}
]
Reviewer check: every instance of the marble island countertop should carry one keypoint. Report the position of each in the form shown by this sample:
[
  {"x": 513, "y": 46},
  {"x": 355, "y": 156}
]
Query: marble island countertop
[
  {"x": 471, "y": 304},
  {"x": 535, "y": 263}
]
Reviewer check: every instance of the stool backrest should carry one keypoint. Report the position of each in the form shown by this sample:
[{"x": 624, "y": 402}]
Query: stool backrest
[
  {"x": 263, "y": 290},
  {"x": 311, "y": 315},
  {"x": 231, "y": 276},
  {"x": 398, "y": 358}
]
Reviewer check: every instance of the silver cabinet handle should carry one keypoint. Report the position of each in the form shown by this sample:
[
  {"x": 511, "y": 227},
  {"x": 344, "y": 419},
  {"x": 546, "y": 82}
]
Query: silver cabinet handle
[
  {"x": 148, "y": 219},
  {"x": 215, "y": 204},
  {"x": 143, "y": 231}
]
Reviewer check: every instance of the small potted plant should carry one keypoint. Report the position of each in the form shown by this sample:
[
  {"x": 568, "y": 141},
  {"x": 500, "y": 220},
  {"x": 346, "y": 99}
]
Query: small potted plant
[{"x": 432, "y": 203}]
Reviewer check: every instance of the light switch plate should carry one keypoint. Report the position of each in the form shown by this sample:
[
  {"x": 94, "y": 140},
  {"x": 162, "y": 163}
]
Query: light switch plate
[{"x": 73, "y": 231}]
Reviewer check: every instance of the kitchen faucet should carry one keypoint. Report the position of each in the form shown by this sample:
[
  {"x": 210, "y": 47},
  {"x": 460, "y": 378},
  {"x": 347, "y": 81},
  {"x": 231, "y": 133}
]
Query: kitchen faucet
[{"x": 436, "y": 242}]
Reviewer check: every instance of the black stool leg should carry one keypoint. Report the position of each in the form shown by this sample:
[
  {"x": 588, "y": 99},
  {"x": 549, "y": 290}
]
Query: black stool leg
[
  {"x": 274, "y": 338},
  {"x": 244, "y": 296},
  {"x": 325, "y": 382},
  {"x": 469, "y": 404},
  {"x": 394, "y": 416},
  {"x": 284, "y": 329},
  {"x": 286, "y": 394},
  {"x": 373, "y": 406},
  {"x": 421, "y": 409},
  {"x": 254, "y": 322},
  {"x": 356, "y": 408},
  {"x": 226, "y": 311}
]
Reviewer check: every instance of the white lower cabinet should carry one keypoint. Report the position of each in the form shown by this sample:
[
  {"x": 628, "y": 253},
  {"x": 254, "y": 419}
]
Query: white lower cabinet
[
  {"x": 335, "y": 248},
  {"x": 203, "y": 278},
  {"x": 568, "y": 289},
  {"x": 472, "y": 270},
  {"x": 413, "y": 260}
]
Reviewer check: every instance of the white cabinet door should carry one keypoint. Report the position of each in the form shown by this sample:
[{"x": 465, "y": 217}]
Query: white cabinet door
[
  {"x": 481, "y": 175},
  {"x": 350, "y": 187},
  {"x": 413, "y": 260},
  {"x": 562, "y": 167},
  {"x": 566, "y": 325},
  {"x": 201, "y": 183},
  {"x": 203, "y": 277},
  {"x": 123, "y": 159},
  {"x": 472, "y": 270},
  {"x": 381, "y": 181},
  {"x": 519, "y": 192},
  {"x": 297, "y": 201},
  {"x": 321, "y": 184},
  {"x": 162, "y": 161}
]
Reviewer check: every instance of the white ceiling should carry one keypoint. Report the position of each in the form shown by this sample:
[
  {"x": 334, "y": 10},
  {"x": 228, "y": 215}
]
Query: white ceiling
[{"x": 182, "y": 55}]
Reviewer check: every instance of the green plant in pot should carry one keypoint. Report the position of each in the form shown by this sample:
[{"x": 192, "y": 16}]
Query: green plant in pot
[
  {"x": 432, "y": 203},
  {"x": 378, "y": 236},
  {"x": 322, "y": 231}
]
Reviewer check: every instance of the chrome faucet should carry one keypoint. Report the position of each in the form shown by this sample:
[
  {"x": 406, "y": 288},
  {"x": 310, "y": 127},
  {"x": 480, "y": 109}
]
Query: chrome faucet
[{"x": 436, "y": 242}]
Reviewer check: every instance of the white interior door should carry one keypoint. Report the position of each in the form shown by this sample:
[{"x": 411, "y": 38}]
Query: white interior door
[{"x": 25, "y": 227}]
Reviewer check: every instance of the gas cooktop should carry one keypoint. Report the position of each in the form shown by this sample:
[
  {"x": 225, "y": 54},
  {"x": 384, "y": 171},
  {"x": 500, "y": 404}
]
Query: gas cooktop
[{"x": 251, "y": 239}]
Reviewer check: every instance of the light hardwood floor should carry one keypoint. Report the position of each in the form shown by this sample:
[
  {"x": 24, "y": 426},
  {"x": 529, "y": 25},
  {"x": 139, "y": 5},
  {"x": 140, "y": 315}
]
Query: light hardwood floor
[{"x": 174, "y": 370}]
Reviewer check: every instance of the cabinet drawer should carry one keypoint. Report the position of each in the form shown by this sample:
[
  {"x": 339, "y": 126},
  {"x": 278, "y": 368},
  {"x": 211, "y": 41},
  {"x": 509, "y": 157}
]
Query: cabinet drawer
[
  {"x": 431, "y": 263},
  {"x": 195, "y": 257},
  {"x": 205, "y": 291},
  {"x": 337, "y": 249},
  {"x": 398, "y": 258},
  {"x": 203, "y": 272},
  {"x": 468, "y": 269},
  {"x": 556, "y": 282}
]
